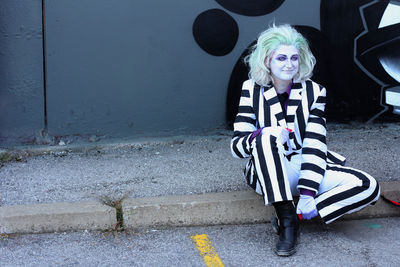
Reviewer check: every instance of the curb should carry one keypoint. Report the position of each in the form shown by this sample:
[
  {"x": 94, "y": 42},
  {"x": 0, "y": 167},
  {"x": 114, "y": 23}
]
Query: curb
[
  {"x": 227, "y": 208},
  {"x": 55, "y": 217},
  {"x": 189, "y": 210},
  {"x": 238, "y": 207}
]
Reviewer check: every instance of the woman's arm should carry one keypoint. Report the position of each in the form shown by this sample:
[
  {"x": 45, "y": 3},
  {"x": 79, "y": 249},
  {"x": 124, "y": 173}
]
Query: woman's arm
[
  {"x": 245, "y": 123},
  {"x": 314, "y": 149}
]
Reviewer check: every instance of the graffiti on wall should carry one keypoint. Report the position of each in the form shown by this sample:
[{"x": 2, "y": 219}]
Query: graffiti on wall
[
  {"x": 377, "y": 49},
  {"x": 357, "y": 40}
]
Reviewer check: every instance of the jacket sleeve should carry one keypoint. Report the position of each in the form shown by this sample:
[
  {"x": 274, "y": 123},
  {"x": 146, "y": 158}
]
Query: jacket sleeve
[
  {"x": 314, "y": 151},
  {"x": 245, "y": 123}
]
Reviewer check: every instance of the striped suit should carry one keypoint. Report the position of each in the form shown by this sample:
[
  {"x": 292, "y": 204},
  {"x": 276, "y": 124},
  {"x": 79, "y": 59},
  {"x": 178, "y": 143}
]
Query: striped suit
[{"x": 278, "y": 171}]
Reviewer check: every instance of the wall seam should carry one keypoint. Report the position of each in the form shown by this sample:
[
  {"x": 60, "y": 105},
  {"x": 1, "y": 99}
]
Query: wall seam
[{"x": 44, "y": 65}]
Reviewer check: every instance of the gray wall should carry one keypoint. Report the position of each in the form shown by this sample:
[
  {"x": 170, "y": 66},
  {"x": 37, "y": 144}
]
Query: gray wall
[
  {"x": 21, "y": 69},
  {"x": 121, "y": 68},
  {"x": 127, "y": 68}
]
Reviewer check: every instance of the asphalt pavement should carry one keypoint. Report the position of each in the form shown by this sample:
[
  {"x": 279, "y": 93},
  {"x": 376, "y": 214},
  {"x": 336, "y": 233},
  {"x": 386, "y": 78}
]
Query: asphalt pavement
[
  {"x": 177, "y": 165},
  {"x": 372, "y": 242}
]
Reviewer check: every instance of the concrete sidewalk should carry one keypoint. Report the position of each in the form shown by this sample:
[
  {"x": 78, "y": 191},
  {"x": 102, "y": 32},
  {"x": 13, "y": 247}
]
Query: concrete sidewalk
[{"x": 172, "y": 181}]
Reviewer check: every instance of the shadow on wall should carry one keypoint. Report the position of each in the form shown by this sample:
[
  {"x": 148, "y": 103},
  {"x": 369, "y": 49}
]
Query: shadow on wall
[{"x": 353, "y": 89}]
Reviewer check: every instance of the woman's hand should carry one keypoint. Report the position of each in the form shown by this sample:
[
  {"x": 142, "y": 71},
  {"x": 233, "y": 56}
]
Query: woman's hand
[
  {"x": 281, "y": 134},
  {"x": 307, "y": 207}
]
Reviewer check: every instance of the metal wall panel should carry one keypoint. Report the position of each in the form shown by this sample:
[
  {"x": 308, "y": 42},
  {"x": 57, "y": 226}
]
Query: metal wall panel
[
  {"x": 21, "y": 70},
  {"x": 132, "y": 67}
]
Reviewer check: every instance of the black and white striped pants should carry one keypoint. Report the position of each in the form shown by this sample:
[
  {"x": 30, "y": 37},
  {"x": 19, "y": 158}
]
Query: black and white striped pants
[{"x": 343, "y": 190}]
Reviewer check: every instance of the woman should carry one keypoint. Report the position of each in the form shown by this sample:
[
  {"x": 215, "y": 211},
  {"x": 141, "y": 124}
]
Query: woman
[{"x": 280, "y": 126}]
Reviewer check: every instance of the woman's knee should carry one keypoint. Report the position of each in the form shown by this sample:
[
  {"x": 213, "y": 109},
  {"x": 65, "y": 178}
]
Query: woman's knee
[
  {"x": 371, "y": 188},
  {"x": 375, "y": 189}
]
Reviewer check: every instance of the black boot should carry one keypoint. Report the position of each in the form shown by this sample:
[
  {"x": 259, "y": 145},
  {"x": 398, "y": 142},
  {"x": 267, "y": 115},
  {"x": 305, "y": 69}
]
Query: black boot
[{"x": 288, "y": 228}]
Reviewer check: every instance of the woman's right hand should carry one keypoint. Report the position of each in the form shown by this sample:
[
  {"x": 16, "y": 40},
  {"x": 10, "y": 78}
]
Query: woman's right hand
[
  {"x": 307, "y": 207},
  {"x": 281, "y": 134}
]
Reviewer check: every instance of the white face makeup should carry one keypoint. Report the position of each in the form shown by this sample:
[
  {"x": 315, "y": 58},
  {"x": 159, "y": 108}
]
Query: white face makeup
[{"x": 284, "y": 63}]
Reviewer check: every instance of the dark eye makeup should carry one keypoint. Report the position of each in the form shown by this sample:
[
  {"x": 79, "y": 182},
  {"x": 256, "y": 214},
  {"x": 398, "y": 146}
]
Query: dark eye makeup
[{"x": 284, "y": 57}]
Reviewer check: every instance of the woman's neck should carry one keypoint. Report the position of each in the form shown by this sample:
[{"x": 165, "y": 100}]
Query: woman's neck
[{"x": 281, "y": 86}]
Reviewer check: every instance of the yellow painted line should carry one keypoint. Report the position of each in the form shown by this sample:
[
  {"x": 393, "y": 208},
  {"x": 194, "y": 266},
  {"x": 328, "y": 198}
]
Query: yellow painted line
[{"x": 207, "y": 251}]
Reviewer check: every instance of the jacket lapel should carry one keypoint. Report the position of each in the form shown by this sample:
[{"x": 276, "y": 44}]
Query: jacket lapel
[
  {"x": 292, "y": 117},
  {"x": 277, "y": 117},
  {"x": 293, "y": 104}
]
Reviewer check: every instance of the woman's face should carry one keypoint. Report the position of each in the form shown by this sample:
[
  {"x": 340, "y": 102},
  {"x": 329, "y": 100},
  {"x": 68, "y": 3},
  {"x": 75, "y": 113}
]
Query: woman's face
[{"x": 284, "y": 63}]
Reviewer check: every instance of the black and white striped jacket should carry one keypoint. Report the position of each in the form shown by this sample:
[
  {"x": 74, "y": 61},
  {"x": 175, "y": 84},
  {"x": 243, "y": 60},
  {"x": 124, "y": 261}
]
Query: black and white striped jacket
[{"x": 259, "y": 107}]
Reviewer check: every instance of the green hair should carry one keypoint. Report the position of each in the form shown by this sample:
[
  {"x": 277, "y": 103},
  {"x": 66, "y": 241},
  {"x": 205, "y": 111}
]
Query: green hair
[{"x": 267, "y": 42}]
